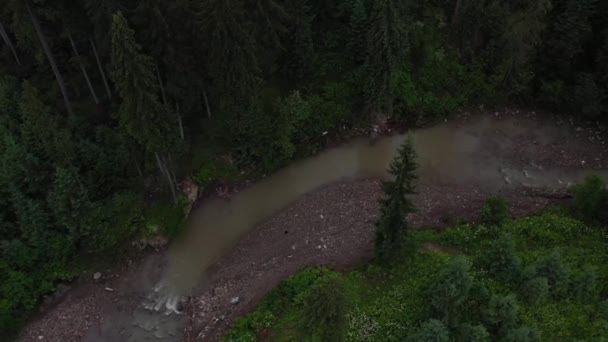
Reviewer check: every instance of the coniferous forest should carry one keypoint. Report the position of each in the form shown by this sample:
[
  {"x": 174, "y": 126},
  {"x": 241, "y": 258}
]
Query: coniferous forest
[{"x": 106, "y": 104}]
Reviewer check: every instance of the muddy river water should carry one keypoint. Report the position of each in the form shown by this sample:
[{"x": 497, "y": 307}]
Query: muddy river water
[{"x": 474, "y": 153}]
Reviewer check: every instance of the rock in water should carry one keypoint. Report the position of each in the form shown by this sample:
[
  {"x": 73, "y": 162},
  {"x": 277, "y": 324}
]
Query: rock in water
[{"x": 96, "y": 275}]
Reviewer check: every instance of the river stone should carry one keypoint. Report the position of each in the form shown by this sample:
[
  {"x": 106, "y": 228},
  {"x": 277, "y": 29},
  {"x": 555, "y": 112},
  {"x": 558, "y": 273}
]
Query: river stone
[
  {"x": 96, "y": 275},
  {"x": 235, "y": 300}
]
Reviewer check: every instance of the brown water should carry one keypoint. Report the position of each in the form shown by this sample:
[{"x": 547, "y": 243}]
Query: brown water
[
  {"x": 471, "y": 154},
  {"x": 447, "y": 154}
]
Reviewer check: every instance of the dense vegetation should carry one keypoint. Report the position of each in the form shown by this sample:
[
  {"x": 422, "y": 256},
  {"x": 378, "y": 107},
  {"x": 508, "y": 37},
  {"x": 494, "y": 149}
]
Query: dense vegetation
[
  {"x": 538, "y": 278},
  {"x": 102, "y": 100}
]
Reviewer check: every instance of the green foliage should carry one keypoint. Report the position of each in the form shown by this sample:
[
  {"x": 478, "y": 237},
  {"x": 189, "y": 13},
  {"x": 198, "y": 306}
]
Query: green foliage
[
  {"x": 298, "y": 286},
  {"x": 557, "y": 274},
  {"x": 591, "y": 200},
  {"x": 389, "y": 303},
  {"x": 473, "y": 333},
  {"x": 585, "y": 285},
  {"x": 450, "y": 291},
  {"x": 522, "y": 334},
  {"x": 133, "y": 72},
  {"x": 392, "y": 227},
  {"x": 500, "y": 258},
  {"x": 387, "y": 45},
  {"x": 534, "y": 291},
  {"x": 324, "y": 310},
  {"x": 165, "y": 218},
  {"x": 494, "y": 211},
  {"x": 432, "y": 331},
  {"x": 501, "y": 314}
]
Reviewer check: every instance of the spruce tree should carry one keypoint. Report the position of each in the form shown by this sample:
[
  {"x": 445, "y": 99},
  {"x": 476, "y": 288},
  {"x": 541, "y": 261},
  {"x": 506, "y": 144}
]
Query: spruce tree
[
  {"x": 133, "y": 73},
  {"x": 358, "y": 25},
  {"x": 396, "y": 205},
  {"x": 387, "y": 47},
  {"x": 301, "y": 49}
]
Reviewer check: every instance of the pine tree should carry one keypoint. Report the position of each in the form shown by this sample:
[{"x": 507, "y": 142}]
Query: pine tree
[
  {"x": 301, "y": 48},
  {"x": 387, "y": 47},
  {"x": 232, "y": 62},
  {"x": 358, "y": 25},
  {"x": 133, "y": 73},
  {"x": 395, "y": 206}
]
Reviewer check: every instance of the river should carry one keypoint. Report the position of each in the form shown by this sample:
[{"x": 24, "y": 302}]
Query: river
[{"x": 479, "y": 152}]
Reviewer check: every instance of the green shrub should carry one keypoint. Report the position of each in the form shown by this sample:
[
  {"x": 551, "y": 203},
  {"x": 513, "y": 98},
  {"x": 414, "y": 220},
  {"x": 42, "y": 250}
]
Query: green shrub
[
  {"x": 501, "y": 314},
  {"x": 522, "y": 334},
  {"x": 165, "y": 218},
  {"x": 473, "y": 333},
  {"x": 591, "y": 200},
  {"x": 114, "y": 221},
  {"x": 557, "y": 274},
  {"x": 584, "y": 285},
  {"x": 500, "y": 259},
  {"x": 296, "y": 287},
  {"x": 324, "y": 311},
  {"x": 494, "y": 211},
  {"x": 206, "y": 173},
  {"x": 450, "y": 291},
  {"x": 431, "y": 331},
  {"x": 534, "y": 291}
]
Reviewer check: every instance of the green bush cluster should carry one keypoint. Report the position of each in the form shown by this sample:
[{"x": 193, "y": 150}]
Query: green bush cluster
[
  {"x": 494, "y": 211},
  {"x": 591, "y": 200},
  {"x": 512, "y": 287}
]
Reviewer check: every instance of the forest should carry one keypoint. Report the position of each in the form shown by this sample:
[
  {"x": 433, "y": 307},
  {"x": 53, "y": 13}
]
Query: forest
[{"x": 105, "y": 105}]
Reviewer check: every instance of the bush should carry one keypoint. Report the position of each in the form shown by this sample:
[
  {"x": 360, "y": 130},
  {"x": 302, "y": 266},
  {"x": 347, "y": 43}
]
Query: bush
[
  {"x": 501, "y": 314},
  {"x": 585, "y": 285},
  {"x": 591, "y": 200},
  {"x": 495, "y": 211},
  {"x": 522, "y": 334},
  {"x": 324, "y": 311},
  {"x": 206, "y": 173},
  {"x": 535, "y": 291},
  {"x": 450, "y": 290},
  {"x": 500, "y": 258},
  {"x": 296, "y": 288},
  {"x": 473, "y": 333},
  {"x": 557, "y": 275},
  {"x": 166, "y": 218},
  {"x": 431, "y": 331}
]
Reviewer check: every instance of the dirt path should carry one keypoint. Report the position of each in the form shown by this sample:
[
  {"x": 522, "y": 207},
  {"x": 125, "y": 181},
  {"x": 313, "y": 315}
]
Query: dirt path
[{"x": 331, "y": 226}]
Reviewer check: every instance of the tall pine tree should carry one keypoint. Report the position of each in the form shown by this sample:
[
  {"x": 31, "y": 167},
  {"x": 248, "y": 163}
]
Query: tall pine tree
[
  {"x": 395, "y": 206},
  {"x": 387, "y": 46},
  {"x": 133, "y": 72}
]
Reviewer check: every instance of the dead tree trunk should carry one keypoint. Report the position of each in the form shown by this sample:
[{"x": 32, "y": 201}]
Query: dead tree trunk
[
  {"x": 101, "y": 70},
  {"x": 83, "y": 69},
  {"x": 456, "y": 13},
  {"x": 207, "y": 104},
  {"x": 179, "y": 121},
  {"x": 8, "y": 42},
  {"x": 165, "y": 172},
  {"x": 51, "y": 58}
]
